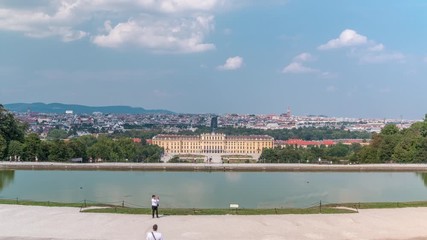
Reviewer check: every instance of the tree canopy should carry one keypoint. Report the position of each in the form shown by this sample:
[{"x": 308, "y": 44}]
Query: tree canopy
[{"x": 10, "y": 128}]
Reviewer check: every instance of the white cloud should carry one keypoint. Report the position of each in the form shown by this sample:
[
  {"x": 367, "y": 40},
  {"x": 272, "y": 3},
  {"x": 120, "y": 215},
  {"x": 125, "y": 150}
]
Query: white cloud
[
  {"x": 381, "y": 57},
  {"x": 377, "y": 48},
  {"x": 180, "y": 5},
  {"x": 172, "y": 35},
  {"x": 160, "y": 6},
  {"x": 232, "y": 63},
  {"x": 303, "y": 57},
  {"x": 296, "y": 67},
  {"x": 40, "y": 24},
  {"x": 172, "y": 25},
  {"x": 328, "y": 75},
  {"x": 367, "y": 51},
  {"x": 347, "y": 38}
]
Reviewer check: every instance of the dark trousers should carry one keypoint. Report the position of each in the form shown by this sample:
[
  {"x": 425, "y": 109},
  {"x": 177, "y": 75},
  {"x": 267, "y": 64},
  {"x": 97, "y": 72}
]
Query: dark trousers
[{"x": 155, "y": 209}]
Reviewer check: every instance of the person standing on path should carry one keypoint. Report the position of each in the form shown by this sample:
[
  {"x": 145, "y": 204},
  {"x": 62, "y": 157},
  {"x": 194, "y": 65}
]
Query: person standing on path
[
  {"x": 155, "y": 200},
  {"x": 154, "y": 235}
]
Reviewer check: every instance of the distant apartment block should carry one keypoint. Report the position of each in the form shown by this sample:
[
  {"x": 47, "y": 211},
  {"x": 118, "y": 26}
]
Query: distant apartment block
[{"x": 213, "y": 143}]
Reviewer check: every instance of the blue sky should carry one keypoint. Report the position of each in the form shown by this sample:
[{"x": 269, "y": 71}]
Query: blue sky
[{"x": 332, "y": 57}]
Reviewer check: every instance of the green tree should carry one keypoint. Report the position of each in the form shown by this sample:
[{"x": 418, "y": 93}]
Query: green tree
[
  {"x": 387, "y": 146},
  {"x": 59, "y": 151},
  {"x": 354, "y": 147},
  {"x": 32, "y": 147},
  {"x": 10, "y": 128},
  {"x": 102, "y": 149},
  {"x": 16, "y": 148},
  {"x": 3, "y": 147},
  {"x": 367, "y": 154},
  {"x": 338, "y": 150},
  {"x": 56, "y": 134},
  {"x": 269, "y": 155},
  {"x": 87, "y": 140},
  {"x": 389, "y": 129},
  {"x": 77, "y": 149},
  {"x": 125, "y": 149},
  {"x": 44, "y": 151},
  {"x": 149, "y": 153},
  {"x": 290, "y": 154},
  {"x": 317, "y": 152},
  {"x": 406, "y": 148},
  {"x": 421, "y": 151},
  {"x": 387, "y": 141},
  {"x": 354, "y": 150}
]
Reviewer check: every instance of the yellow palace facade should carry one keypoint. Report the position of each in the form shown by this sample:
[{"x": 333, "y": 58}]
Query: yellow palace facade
[{"x": 213, "y": 143}]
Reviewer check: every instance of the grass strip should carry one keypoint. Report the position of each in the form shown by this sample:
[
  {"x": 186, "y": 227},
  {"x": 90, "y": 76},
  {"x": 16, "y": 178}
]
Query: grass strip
[
  {"x": 325, "y": 209},
  {"x": 50, "y": 204},
  {"x": 379, "y": 205},
  {"x": 217, "y": 211}
]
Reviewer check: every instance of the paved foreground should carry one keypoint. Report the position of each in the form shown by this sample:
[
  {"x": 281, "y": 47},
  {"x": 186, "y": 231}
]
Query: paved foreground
[{"x": 32, "y": 222}]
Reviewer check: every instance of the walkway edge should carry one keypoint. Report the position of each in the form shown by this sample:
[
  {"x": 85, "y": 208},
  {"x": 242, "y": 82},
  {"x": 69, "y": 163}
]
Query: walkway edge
[{"x": 256, "y": 167}]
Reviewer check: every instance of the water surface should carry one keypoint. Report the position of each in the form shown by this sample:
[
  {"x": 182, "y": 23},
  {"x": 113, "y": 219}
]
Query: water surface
[{"x": 213, "y": 189}]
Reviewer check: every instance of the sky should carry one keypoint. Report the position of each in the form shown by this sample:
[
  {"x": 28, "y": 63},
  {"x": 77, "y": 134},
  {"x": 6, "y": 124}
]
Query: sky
[{"x": 331, "y": 57}]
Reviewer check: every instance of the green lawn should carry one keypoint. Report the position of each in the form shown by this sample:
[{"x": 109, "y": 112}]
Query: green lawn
[
  {"x": 325, "y": 209},
  {"x": 190, "y": 211}
]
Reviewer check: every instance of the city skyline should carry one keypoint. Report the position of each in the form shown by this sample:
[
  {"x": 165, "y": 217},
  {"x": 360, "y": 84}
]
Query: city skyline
[{"x": 329, "y": 58}]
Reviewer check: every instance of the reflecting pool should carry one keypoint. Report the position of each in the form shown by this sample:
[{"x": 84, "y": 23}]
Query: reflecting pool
[{"x": 213, "y": 189}]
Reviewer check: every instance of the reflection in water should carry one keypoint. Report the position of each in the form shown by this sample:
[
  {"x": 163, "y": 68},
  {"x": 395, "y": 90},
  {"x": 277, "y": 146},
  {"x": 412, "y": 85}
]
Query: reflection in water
[
  {"x": 6, "y": 177},
  {"x": 232, "y": 176},
  {"x": 423, "y": 176}
]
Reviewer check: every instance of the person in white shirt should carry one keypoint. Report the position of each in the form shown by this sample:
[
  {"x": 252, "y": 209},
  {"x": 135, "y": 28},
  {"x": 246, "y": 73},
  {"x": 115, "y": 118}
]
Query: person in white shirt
[
  {"x": 154, "y": 235},
  {"x": 155, "y": 200}
]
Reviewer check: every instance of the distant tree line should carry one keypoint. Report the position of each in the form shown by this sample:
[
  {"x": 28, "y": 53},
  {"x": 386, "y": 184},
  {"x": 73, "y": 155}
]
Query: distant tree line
[
  {"x": 312, "y": 154},
  {"x": 86, "y": 147},
  {"x": 393, "y": 145},
  {"x": 390, "y": 145}
]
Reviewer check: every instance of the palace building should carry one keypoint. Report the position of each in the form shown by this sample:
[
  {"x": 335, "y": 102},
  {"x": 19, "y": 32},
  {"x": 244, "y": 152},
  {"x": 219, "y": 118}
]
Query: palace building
[{"x": 213, "y": 143}]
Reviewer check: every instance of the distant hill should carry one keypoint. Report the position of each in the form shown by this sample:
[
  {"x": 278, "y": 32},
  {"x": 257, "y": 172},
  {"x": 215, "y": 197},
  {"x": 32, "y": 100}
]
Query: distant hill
[{"x": 78, "y": 109}]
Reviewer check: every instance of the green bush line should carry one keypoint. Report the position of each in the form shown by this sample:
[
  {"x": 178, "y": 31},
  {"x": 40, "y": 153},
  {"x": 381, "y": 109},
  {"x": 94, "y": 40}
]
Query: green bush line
[{"x": 325, "y": 209}]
